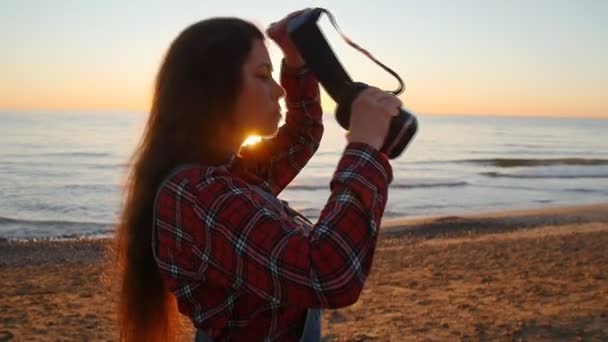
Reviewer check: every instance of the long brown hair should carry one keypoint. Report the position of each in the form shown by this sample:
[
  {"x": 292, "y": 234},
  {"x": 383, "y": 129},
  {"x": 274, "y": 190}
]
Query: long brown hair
[{"x": 196, "y": 86}]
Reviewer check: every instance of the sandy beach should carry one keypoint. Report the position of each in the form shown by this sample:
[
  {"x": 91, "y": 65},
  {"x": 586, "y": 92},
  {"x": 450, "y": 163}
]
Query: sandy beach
[{"x": 524, "y": 275}]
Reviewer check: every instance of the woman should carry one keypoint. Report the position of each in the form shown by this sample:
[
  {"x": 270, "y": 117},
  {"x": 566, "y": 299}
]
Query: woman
[{"x": 202, "y": 231}]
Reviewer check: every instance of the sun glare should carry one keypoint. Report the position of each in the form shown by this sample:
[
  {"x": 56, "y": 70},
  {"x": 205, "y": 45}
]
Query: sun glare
[{"x": 252, "y": 140}]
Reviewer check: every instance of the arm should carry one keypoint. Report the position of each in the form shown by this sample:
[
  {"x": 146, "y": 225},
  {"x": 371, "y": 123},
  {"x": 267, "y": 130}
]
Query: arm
[
  {"x": 236, "y": 243},
  {"x": 279, "y": 159}
]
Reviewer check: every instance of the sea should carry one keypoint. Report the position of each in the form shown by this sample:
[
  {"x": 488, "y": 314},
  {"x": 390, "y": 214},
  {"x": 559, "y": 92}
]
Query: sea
[{"x": 62, "y": 173}]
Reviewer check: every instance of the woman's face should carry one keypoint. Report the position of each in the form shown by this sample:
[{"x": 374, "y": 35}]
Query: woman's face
[{"x": 257, "y": 109}]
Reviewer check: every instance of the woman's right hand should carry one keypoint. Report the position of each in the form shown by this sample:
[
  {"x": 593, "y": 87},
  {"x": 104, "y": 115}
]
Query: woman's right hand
[{"x": 370, "y": 117}]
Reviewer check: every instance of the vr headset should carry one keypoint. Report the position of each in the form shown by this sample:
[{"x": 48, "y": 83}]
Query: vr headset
[{"x": 319, "y": 56}]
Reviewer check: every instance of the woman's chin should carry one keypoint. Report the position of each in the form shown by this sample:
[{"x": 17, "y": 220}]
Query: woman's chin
[{"x": 271, "y": 134}]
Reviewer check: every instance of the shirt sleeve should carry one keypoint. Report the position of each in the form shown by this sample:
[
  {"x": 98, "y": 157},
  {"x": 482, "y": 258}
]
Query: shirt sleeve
[
  {"x": 278, "y": 160},
  {"x": 229, "y": 239}
]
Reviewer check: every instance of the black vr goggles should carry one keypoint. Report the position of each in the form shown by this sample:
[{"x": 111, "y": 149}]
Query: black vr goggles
[{"x": 319, "y": 56}]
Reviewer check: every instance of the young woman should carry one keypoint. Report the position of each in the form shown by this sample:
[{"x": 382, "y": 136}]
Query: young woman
[{"x": 202, "y": 231}]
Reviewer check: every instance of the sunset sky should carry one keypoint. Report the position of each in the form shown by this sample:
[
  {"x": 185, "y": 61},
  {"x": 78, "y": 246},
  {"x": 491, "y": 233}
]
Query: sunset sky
[{"x": 456, "y": 57}]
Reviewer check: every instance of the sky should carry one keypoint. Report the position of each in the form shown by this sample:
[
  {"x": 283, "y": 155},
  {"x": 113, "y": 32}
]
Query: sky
[{"x": 537, "y": 58}]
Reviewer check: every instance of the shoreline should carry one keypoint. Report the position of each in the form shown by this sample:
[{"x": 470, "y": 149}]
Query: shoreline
[
  {"x": 404, "y": 224},
  {"x": 84, "y": 250},
  {"x": 494, "y": 221},
  {"x": 526, "y": 274}
]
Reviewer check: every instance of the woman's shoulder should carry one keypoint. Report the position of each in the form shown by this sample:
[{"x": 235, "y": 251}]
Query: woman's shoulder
[
  {"x": 196, "y": 173},
  {"x": 201, "y": 180}
]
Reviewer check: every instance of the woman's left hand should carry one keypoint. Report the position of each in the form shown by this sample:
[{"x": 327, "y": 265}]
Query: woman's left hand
[{"x": 277, "y": 31}]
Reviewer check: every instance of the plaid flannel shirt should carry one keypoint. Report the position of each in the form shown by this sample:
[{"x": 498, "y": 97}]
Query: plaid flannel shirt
[{"x": 240, "y": 270}]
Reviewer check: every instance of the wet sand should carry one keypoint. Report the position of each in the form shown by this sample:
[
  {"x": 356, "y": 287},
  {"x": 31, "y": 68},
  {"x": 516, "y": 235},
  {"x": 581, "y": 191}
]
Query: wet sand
[{"x": 520, "y": 275}]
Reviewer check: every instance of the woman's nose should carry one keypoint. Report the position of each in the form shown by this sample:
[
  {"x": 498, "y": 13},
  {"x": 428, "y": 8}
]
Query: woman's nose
[{"x": 279, "y": 91}]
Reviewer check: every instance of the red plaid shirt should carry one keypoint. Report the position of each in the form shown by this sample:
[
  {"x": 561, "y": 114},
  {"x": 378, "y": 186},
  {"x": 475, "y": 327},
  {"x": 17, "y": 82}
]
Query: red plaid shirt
[{"x": 242, "y": 271}]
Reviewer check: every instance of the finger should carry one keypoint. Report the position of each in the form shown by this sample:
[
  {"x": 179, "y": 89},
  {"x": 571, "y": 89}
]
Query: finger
[
  {"x": 397, "y": 105},
  {"x": 374, "y": 93},
  {"x": 395, "y": 111},
  {"x": 395, "y": 101},
  {"x": 391, "y": 110},
  {"x": 385, "y": 96},
  {"x": 367, "y": 94},
  {"x": 374, "y": 89},
  {"x": 392, "y": 105}
]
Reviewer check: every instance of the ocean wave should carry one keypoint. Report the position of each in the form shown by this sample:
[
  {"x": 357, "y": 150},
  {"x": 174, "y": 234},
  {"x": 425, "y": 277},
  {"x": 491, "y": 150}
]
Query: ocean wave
[
  {"x": 58, "y": 154},
  {"x": 523, "y": 145},
  {"x": 548, "y": 189},
  {"x": 62, "y": 237},
  {"x": 448, "y": 184},
  {"x": 78, "y": 154},
  {"x": 303, "y": 187},
  {"x": 309, "y": 212},
  {"x": 45, "y": 223},
  {"x": 534, "y": 176},
  {"x": 91, "y": 187},
  {"x": 582, "y": 190},
  {"x": 393, "y": 214},
  {"x": 518, "y": 162},
  {"x": 16, "y": 229},
  {"x": 110, "y": 166}
]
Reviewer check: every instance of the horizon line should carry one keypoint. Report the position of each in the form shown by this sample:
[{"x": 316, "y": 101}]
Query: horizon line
[{"x": 132, "y": 111}]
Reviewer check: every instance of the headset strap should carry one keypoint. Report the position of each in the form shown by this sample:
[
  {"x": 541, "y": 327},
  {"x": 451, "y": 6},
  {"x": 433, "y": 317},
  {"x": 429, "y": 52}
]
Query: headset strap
[{"x": 332, "y": 19}]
